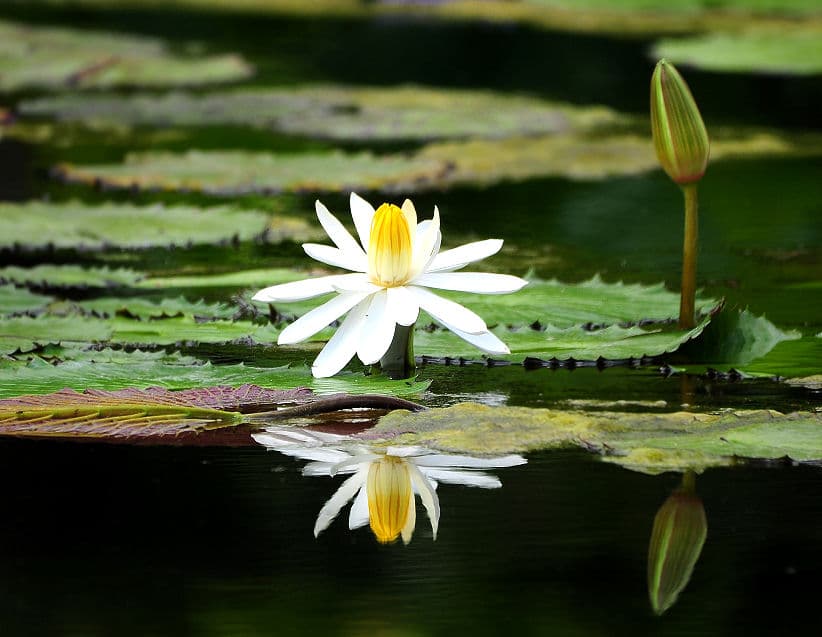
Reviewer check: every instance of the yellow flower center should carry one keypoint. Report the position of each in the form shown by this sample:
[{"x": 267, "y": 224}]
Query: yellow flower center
[
  {"x": 390, "y": 497},
  {"x": 389, "y": 247}
]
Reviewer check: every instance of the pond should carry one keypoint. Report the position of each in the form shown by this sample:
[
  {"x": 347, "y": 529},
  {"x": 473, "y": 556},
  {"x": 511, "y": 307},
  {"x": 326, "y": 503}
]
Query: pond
[{"x": 148, "y": 190}]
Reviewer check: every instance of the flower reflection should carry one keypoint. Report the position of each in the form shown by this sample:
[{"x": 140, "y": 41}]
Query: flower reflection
[
  {"x": 383, "y": 481},
  {"x": 679, "y": 533}
]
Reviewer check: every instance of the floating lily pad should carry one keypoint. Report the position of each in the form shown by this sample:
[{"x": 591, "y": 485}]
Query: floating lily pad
[
  {"x": 794, "y": 50},
  {"x": 336, "y": 112},
  {"x": 257, "y": 278},
  {"x": 26, "y": 333},
  {"x": 144, "y": 308},
  {"x": 69, "y": 276},
  {"x": 232, "y": 173},
  {"x": 584, "y": 157},
  {"x": 177, "y": 372},
  {"x": 652, "y": 442},
  {"x": 612, "y": 343},
  {"x": 61, "y": 58},
  {"x": 14, "y": 300},
  {"x": 77, "y": 225},
  {"x": 435, "y": 166}
]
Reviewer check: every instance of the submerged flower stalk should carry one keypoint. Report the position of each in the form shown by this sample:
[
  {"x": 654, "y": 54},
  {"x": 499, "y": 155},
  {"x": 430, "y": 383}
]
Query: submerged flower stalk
[
  {"x": 682, "y": 147},
  {"x": 391, "y": 268}
]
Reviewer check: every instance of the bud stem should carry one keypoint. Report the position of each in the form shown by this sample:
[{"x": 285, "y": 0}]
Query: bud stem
[
  {"x": 398, "y": 362},
  {"x": 687, "y": 302}
]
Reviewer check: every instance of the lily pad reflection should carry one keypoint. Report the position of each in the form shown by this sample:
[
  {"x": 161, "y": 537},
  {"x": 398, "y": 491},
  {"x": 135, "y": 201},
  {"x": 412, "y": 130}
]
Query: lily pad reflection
[{"x": 383, "y": 480}]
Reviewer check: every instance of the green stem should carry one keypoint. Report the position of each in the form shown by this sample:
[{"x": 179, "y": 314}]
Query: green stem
[
  {"x": 687, "y": 302},
  {"x": 398, "y": 361},
  {"x": 689, "y": 482}
]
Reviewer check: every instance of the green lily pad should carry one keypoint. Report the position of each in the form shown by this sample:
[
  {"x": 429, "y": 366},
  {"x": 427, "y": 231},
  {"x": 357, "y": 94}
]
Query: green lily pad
[
  {"x": 736, "y": 338},
  {"x": 14, "y": 300},
  {"x": 101, "y": 371},
  {"x": 144, "y": 308},
  {"x": 442, "y": 164},
  {"x": 612, "y": 343},
  {"x": 70, "y": 276},
  {"x": 39, "y": 224},
  {"x": 62, "y": 58},
  {"x": 652, "y": 442},
  {"x": 238, "y": 172},
  {"x": 257, "y": 278},
  {"x": 794, "y": 50},
  {"x": 335, "y": 112},
  {"x": 26, "y": 333}
]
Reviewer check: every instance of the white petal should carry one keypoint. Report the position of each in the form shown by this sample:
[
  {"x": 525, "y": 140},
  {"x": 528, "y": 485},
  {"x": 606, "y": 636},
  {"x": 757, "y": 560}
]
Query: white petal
[
  {"x": 445, "y": 461},
  {"x": 410, "y": 214},
  {"x": 411, "y": 520},
  {"x": 336, "y": 257},
  {"x": 347, "y": 463},
  {"x": 356, "y": 282},
  {"x": 363, "y": 214},
  {"x": 479, "y": 282},
  {"x": 447, "y": 312},
  {"x": 296, "y": 290},
  {"x": 343, "y": 345},
  {"x": 428, "y": 496},
  {"x": 457, "y": 258},
  {"x": 358, "y": 515},
  {"x": 426, "y": 243},
  {"x": 377, "y": 332},
  {"x": 337, "y": 501},
  {"x": 337, "y": 232},
  {"x": 466, "y": 478},
  {"x": 486, "y": 341},
  {"x": 402, "y": 306},
  {"x": 312, "y": 322}
]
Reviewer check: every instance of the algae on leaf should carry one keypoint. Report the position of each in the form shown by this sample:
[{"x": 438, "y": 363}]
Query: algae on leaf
[
  {"x": 38, "y": 224},
  {"x": 63, "y": 58},
  {"x": 648, "y": 442}
]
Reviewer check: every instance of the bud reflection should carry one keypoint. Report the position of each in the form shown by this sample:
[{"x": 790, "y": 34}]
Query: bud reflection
[
  {"x": 677, "y": 538},
  {"x": 384, "y": 480}
]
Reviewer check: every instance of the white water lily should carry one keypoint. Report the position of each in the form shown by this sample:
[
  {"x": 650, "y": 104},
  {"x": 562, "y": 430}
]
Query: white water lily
[
  {"x": 384, "y": 481},
  {"x": 392, "y": 266}
]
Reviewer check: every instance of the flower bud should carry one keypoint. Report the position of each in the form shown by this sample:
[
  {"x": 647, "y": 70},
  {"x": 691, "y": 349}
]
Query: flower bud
[
  {"x": 680, "y": 138},
  {"x": 679, "y": 532}
]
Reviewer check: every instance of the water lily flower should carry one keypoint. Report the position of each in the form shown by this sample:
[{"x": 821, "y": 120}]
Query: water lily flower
[
  {"x": 383, "y": 481},
  {"x": 393, "y": 265}
]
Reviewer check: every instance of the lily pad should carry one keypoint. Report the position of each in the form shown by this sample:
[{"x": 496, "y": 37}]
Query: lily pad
[
  {"x": 611, "y": 343},
  {"x": 796, "y": 50},
  {"x": 144, "y": 308},
  {"x": 336, "y": 112},
  {"x": 26, "y": 333},
  {"x": 177, "y": 372},
  {"x": 62, "y": 58},
  {"x": 238, "y": 172},
  {"x": 652, "y": 442},
  {"x": 438, "y": 165},
  {"x": 39, "y": 224},
  {"x": 70, "y": 276},
  {"x": 14, "y": 300}
]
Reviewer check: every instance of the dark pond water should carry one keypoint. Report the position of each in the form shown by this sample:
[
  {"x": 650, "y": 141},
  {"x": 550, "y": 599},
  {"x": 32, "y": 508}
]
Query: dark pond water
[
  {"x": 100, "y": 540},
  {"x": 111, "y": 540}
]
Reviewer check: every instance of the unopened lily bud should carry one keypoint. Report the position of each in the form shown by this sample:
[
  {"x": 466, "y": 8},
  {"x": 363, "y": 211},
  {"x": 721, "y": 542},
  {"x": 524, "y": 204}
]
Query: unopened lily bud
[
  {"x": 680, "y": 138},
  {"x": 679, "y": 532}
]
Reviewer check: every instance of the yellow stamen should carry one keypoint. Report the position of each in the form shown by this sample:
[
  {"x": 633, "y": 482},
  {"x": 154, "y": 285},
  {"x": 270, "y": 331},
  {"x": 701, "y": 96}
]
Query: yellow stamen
[
  {"x": 389, "y": 247},
  {"x": 390, "y": 497}
]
